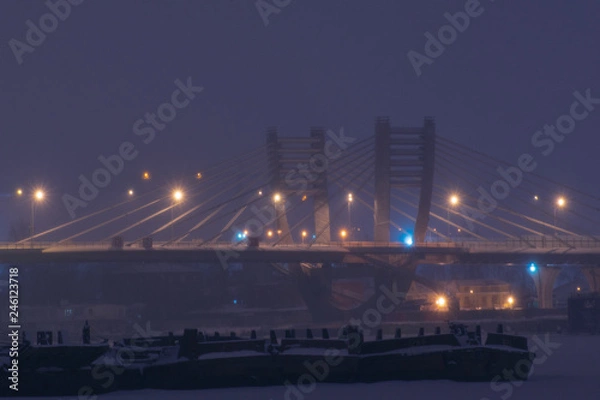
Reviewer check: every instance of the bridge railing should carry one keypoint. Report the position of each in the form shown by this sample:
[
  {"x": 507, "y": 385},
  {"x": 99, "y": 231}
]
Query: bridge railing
[
  {"x": 389, "y": 244},
  {"x": 536, "y": 242},
  {"x": 525, "y": 242},
  {"x": 24, "y": 246}
]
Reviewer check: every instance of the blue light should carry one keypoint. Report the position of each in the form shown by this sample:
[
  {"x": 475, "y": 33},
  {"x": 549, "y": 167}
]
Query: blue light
[
  {"x": 314, "y": 236},
  {"x": 532, "y": 267},
  {"x": 408, "y": 240},
  {"x": 240, "y": 236},
  {"x": 234, "y": 301}
]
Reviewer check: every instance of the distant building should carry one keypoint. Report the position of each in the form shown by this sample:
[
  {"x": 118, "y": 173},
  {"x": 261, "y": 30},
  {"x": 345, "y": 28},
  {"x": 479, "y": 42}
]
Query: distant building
[
  {"x": 562, "y": 293},
  {"x": 471, "y": 295},
  {"x": 485, "y": 295}
]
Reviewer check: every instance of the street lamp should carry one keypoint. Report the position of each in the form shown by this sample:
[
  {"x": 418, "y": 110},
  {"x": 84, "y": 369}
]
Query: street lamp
[
  {"x": 19, "y": 192},
  {"x": 560, "y": 203},
  {"x": 38, "y": 196},
  {"x": 177, "y": 197},
  {"x": 440, "y": 302},
  {"x": 343, "y": 234},
  {"x": 130, "y": 193},
  {"x": 533, "y": 269},
  {"x": 350, "y": 200},
  {"x": 146, "y": 176},
  {"x": 452, "y": 201},
  {"x": 276, "y": 198},
  {"x": 304, "y": 234}
]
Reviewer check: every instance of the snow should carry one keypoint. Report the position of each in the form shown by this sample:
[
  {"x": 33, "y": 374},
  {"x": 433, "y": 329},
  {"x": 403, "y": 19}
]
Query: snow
[
  {"x": 413, "y": 351},
  {"x": 571, "y": 371},
  {"x": 232, "y": 354},
  {"x": 312, "y": 351}
]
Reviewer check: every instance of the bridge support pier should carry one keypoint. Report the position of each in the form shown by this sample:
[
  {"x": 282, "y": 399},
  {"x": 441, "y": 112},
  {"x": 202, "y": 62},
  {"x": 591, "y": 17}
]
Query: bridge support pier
[
  {"x": 592, "y": 274},
  {"x": 282, "y": 223},
  {"x": 321, "y": 198},
  {"x": 392, "y": 278},
  {"x": 405, "y": 159},
  {"x": 544, "y": 284},
  {"x": 274, "y": 163},
  {"x": 315, "y": 289},
  {"x": 382, "y": 180}
]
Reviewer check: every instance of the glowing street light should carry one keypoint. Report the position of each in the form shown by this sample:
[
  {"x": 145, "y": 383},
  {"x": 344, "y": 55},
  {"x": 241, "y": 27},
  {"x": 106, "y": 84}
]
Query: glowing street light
[
  {"x": 441, "y": 301},
  {"x": 19, "y": 192},
  {"x": 304, "y": 234},
  {"x": 199, "y": 175},
  {"x": 560, "y": 203},
  {"x": 343, "y": 234},
  {"x": 130, "y": 192},
  {"x": 511, "y": 300},
  {"x": 146, "y": 176},
  {"x": 532, "y": 268},
  {"x": 350, "y": 200},
  {"x": 452, "y": 201},
  {"x": 270, "y": 233},
  {"x": 177, "y": 195},
  {"x": 536, "y": 198},
  {"x": 260, "y": 192},
  {"x": 276, "y": 198},
  {"x": 38, "y": 196}
]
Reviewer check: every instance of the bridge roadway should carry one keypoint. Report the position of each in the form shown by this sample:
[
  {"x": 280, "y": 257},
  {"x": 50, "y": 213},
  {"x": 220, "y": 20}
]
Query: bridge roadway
[{"x": 542, "y": 251}]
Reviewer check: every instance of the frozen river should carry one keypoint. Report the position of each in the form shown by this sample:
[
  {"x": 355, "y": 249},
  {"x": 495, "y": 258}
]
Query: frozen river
[{"x": 567, "y": 367}]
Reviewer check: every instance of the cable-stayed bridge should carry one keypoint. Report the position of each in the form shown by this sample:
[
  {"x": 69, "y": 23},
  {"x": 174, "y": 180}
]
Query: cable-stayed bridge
[{"x": 391, "y": 201}]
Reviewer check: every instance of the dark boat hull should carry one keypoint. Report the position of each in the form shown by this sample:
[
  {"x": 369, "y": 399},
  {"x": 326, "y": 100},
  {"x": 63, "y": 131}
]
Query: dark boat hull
[{"x": 220, "y": 363}]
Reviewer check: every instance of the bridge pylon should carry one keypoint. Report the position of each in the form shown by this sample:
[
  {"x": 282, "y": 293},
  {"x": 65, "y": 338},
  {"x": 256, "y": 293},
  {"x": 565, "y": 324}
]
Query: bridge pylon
[
  {"x": 297, "y": 167},
  {"x": 544, "y": 284},
  {"x": 404, "y": 157},
  {"x": 592, "y": 274}
]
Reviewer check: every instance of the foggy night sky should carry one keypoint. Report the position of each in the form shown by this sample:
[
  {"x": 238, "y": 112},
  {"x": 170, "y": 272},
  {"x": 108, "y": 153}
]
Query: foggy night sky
[{"x": 331, "y": 63}]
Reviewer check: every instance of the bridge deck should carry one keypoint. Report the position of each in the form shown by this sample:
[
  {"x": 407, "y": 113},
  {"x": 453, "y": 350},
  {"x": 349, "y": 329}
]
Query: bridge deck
[{"x": 506, "y": 252}]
